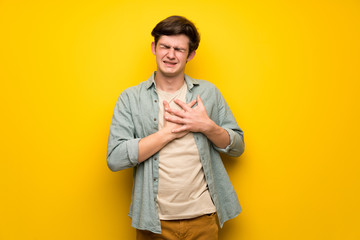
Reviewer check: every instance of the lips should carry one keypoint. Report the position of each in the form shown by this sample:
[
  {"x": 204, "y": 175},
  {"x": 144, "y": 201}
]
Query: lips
[{"x": 171, "y": 64}]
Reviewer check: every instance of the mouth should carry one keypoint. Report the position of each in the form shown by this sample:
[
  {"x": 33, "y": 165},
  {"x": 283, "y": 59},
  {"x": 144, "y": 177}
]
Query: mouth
[{"x": 169, "y": 64}]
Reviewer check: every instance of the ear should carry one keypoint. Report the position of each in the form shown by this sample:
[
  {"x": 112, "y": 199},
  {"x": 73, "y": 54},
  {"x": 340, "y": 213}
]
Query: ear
[
  {"x": 153, "y": 47},
  {"x": 191, "y": 56}
]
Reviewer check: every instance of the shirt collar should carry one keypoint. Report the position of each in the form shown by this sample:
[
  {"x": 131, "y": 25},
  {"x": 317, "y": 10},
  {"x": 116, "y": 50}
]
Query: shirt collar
[{"x": 190, "y": 82}]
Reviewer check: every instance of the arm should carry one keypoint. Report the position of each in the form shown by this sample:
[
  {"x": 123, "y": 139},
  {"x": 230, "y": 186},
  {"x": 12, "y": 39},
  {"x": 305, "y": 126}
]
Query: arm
[
  {"x": 153, "y": 143},
  {"x": 227, "y": 137},
  {"x": 197, "y": 120},
  {"x": 124, "y": 150}
]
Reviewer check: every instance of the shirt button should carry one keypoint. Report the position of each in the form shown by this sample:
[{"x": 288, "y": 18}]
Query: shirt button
[
  {"x": 155, "y": 119},
  {"x": 154, "y": 179},
  {"x": 155, "y": 101},
  {"x": 155, "y": 158}
]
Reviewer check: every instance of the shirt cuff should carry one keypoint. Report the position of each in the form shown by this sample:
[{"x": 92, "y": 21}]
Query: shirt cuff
[{"x": 133, "y": 150}]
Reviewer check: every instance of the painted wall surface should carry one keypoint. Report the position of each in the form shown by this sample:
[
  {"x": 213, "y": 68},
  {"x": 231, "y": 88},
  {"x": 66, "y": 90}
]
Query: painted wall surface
[{"x": 288, "y": 69}]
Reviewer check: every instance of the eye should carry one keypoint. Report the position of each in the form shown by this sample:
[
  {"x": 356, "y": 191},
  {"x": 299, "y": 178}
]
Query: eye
[
  {"x": 182, "y": 50},
  {"x": 164, "y": 46}
]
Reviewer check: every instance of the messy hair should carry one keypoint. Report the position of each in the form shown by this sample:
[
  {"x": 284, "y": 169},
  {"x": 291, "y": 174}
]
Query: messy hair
[{"x": 175, "y": 25}]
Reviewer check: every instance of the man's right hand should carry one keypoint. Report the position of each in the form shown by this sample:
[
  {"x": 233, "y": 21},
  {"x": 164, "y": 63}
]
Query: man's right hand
[{"x": 155, "y": 142}]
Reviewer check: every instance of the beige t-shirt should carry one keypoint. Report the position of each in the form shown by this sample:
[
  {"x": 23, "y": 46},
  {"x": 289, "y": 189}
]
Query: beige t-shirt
[{"x": 183, "y": 191}]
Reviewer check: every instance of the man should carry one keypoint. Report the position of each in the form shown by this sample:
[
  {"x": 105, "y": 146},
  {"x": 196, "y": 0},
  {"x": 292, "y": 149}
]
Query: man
[{"x": 170, "y": 129}]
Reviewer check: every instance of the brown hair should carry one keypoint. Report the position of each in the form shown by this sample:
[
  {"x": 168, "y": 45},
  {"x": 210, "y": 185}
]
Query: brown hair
[{"x": 175, "y": 25}]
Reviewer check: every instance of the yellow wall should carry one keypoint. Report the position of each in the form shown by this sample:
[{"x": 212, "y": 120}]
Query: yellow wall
[{"x": 288, "y": 69}]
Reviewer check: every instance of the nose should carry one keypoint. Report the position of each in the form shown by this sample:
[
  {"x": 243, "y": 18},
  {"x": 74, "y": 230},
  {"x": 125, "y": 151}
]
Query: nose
[{"x": 171, "y": 53}]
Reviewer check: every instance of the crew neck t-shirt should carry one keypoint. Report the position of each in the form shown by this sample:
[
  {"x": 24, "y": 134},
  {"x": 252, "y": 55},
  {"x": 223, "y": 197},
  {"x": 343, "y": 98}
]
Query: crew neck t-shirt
[{"x": 183, "y": 191}]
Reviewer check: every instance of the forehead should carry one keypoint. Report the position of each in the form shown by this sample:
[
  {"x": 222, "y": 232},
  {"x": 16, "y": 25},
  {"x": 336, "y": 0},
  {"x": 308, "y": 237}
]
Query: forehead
[{"x": 175, "y": 40}]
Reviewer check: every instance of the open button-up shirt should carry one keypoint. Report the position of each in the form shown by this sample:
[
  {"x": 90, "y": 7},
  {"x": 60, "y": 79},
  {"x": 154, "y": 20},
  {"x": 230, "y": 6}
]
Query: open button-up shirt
[{"x": 136, "y": 116}]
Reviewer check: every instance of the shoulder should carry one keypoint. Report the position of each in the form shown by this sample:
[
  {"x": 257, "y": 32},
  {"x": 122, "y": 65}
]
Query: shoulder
[
  {"x": 132, "y": 96},
  {"x": 208, "y": 92},
  {"x": 200, "y": 83},
  {"x": 136, "y": 90},
  {"x": 206, "y": 84}
]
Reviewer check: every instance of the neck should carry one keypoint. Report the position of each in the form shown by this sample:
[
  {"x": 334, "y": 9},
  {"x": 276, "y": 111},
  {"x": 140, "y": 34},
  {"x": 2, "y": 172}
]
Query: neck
[{"x": 169, "y": 83}]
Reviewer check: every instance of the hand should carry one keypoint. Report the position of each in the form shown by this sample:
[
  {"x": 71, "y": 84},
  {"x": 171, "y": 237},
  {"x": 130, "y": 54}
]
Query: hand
[
  {"x": 172, "y": 126},
  {"x": 189, "y": 119}
]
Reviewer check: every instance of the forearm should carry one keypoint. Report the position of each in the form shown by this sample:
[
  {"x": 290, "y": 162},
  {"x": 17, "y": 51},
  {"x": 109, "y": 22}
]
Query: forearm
[
  {"x": 153, "y": 143},
  {"x": 216, "y": 134}
]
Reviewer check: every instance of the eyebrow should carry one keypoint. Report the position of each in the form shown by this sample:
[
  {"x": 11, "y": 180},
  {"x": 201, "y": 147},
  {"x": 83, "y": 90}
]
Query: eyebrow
[{"x": 164, "y": 45}]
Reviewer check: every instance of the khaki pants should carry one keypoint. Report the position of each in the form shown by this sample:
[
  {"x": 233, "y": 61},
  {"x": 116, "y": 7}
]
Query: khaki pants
[{"x": 201, "y": 228}]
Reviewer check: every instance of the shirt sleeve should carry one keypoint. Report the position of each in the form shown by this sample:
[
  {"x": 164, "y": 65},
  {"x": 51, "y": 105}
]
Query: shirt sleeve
[
  {"x": 227, "y": 121},
  {"x": 236, "y": 146},
  {"x": 123, "y": 147}
]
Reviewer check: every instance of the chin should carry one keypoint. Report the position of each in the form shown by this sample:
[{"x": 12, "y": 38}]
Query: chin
[{"x": 170, "y": 73}]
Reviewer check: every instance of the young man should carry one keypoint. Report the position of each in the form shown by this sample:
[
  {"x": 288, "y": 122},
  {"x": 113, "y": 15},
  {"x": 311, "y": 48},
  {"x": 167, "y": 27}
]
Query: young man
[{"x": 170, "y": 129}]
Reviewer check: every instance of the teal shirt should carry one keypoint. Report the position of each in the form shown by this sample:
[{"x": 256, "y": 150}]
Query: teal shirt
[{"x": 136, "y": 116}]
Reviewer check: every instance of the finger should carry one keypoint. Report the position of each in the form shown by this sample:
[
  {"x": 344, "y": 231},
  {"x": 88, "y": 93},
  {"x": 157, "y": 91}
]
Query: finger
[
  {"x": 166, "y": 115},
  {"x": 166, "y": 105},
  {"x": 180, "y": 129},
  {"x": 174, "y": 112},
  {"x": 192, "y": 103},
  {"x": 200, "y": 102},
  {"x": 173, "y": 119},
  {"x": 183, "y": 105},
  {"x": 178, "y": 113}
]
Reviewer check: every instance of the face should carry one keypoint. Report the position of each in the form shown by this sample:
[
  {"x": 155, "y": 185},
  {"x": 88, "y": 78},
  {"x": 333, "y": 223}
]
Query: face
[{"x": 172, "y": 53}]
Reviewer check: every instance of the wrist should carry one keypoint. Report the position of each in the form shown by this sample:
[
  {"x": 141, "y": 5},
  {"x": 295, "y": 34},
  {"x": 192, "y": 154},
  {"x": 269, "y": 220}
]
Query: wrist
[
  {"x": 209, "y": 127},
  {"x": 166, "y": 135}
]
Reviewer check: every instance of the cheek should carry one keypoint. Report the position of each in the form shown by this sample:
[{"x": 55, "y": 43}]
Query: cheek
[
  {"x": 183, "y": 59},
  {"x": 160, "y": 55}
]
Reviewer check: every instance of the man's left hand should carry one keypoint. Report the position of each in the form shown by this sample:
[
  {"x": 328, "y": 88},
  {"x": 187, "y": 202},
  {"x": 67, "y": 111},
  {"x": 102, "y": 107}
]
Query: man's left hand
[{"x": 192, "y": 119}]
